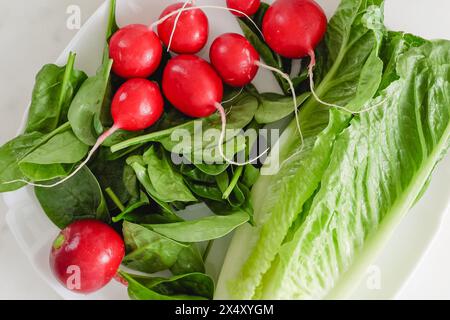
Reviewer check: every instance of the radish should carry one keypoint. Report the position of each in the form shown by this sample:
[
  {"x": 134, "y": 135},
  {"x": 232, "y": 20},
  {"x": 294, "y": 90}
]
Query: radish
[
  {"x": 86, "y": 256},
  {"x": 193, "y": 87},
  {"x": 191, "y": 32},
  {"x": 249, "y": 7},
  {"x": 137, "y": 105},
  {"x": 235, "y": 59},
  {"x": 237, "y": 62},
  {"x": 186, "y": 8},
  {"x": 293, "y": 29},
  {"x": 136, "y": 51}
]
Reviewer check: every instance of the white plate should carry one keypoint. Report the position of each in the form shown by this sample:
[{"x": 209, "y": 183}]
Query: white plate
[{"x": 35, "y": 232}]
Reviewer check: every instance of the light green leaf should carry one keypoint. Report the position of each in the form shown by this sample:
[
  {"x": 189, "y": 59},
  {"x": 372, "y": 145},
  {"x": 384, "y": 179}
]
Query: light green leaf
[{"x": 204, "y": 229}]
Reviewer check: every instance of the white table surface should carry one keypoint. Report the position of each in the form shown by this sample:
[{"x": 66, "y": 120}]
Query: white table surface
[{"x": 33, "y": 33}]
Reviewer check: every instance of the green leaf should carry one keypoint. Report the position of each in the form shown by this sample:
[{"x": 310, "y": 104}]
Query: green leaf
[
  {"x": 144, "y": 179},
  {"x": 168, "y": 183},
  {"x": 87, "y": 104},
  {"x": 378, "y": 167},
  {"x": 251, "y": 175},
  {"x": 52, "y": 94},
  {"x": 205, "y": 191},
  {"x": 193, "y": 286},
  {"x": 189, "y": 260},
  {"x": 191, "y": 172},
  {"x": 76, "y": 199},
  {"x": 53, "y": 159},
  {"x": 110, "y": 174},
  {"x": 275, "y": 106},
  {"x": 143, "y": 201},
  {"x": 148, "y": 251},
  {"x": 11, "y": 154},
  {"x": 204, "y": 229}
]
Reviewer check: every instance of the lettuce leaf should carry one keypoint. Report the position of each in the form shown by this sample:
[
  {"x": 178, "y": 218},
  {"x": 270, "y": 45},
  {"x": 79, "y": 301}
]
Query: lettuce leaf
[{"x": 378, "y": 168}]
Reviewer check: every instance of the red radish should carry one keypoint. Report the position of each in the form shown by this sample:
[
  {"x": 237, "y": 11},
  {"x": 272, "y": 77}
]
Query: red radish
[
  {"x": 137, "y": 105},
  {"x": 136, "y": 51},
  {"x": 86, "y": 256},
  {"x": 293, "y": 28},
  {"x": 237, "y": 62},
  {"x": 249, "y": 7},
  {"x": 235, "y": 59},
  {"x": 187, "y": 32},
  {"x": 192, "y": 86},
  {"x": 175, "y": 15}
]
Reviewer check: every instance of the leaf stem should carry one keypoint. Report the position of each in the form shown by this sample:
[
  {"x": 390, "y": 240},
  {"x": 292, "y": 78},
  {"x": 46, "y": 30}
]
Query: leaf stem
[
  {"x": 233, "y": 182},
  {"x": 115, "y": 199}
]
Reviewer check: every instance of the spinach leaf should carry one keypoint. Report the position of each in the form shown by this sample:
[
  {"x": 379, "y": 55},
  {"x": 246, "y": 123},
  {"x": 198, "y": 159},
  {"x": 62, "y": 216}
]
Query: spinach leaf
[
  {"x": 87, "y": 104},
  {"x": 78, "y": 198},
  {"x": 191, "y": 172},
  {"x": 143, "y": 201},
  {"x": 189, "y": 260},
  {"x": 110, "y": 174},
  {"x": 212, "y": 169},
  {"x": 144, "y": 179},
  {"x": 275, "y": 107},
  {"x": 53, "y": 159},
  {"x": 194, "y": 286},
  {"x": 204, "y": 229},
  {"x": 251, "y": 175},
  {"x": 148, "y": 251},
  {"x": 53, "y": 91},
  {"x": 11, "y": 154},
  {"x": 168, "y": 183},
  {"x": 223, "y": 181},
  {"x": 205, "y": 191}
]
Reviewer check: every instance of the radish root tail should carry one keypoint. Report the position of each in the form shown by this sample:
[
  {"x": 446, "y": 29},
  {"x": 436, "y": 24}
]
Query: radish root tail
[
  {"x": 97, "y": 145},
  {"x": 331, "y": 105},
  {"x": 176, "y": 23},
  {"x": 223, "y": 117},
  {"x": 294, "y": 96}
]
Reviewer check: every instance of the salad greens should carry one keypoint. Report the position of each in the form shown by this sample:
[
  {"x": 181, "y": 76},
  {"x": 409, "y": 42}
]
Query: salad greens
[
  {"x": 324, "y": 214},
  {"x": 306, "y": 229}
]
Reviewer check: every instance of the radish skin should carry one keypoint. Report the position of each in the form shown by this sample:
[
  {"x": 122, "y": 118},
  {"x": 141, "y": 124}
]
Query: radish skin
[{"x": 185, "y": 33}]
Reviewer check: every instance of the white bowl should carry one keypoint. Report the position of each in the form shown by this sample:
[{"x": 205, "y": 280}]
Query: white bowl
[{"x": 35, "y": 233}]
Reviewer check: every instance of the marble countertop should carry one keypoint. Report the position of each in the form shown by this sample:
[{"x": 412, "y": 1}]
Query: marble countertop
[{"x": 35, "y": 32}]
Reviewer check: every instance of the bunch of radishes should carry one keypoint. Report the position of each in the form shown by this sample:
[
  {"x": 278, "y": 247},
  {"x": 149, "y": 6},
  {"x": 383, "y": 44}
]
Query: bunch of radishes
[{"x": 292, "y": 28}]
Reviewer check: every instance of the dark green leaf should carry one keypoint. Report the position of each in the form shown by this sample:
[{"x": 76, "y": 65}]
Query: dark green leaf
[
  {"x": 194, "y": 286},
  {"x": 11, "y": 154},
  {"x": 87, "y": 104},
  {"x": 148, "y": 251},
  {"x": 78, "y": 198},
  {"x": 52, "y": 94}
]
